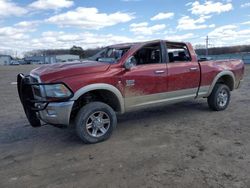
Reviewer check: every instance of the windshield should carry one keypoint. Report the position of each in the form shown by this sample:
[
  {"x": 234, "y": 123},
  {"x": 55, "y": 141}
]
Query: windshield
[{"x": 109, "y": 55}]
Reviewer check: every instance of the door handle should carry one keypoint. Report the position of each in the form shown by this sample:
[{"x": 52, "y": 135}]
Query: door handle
[
  {"x": 193, "y": 69},
  {"x": 159, "y": 71}
]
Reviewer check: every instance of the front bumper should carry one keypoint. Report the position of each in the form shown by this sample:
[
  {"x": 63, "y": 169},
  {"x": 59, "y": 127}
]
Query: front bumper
[
  {"x": 57, "y": 113},
  {"x": 51, "y": 112}
]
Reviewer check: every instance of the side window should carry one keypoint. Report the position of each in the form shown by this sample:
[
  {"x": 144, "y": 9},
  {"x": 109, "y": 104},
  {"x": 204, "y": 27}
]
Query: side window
[
  {"x": 149, "y": 54},
  {"x": 178, "y": 52}
]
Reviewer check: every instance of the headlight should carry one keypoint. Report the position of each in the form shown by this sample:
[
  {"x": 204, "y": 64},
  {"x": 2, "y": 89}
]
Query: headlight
[{"x": 56, "y": 91}]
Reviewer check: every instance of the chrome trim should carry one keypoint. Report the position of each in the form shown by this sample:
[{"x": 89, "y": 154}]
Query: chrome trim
[
  {"x": 103, "y": 86},
  {"x": 159, "y": 71},
  {"x": 57, "y": 113},
  {"x": 193, "y": 69},
  {"x": 41, "y": 88},
  {"x": 35, "y": 76}
]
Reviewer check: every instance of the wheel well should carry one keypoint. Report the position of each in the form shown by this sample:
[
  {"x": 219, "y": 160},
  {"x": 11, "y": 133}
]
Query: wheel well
[
  {"x": 227, "y": 80},
  {"x": 101, "y": 95}
]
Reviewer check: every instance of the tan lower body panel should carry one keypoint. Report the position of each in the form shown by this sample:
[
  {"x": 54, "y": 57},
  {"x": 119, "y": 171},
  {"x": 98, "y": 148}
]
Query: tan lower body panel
[{"x": 164, "y": 98}]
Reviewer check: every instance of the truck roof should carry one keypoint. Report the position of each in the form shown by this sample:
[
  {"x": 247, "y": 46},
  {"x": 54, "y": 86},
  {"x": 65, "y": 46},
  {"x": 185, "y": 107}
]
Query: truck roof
[{"x": 124, "y": 45}]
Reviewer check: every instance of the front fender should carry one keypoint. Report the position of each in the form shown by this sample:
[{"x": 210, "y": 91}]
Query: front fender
[{"x": 101, "y": 86}]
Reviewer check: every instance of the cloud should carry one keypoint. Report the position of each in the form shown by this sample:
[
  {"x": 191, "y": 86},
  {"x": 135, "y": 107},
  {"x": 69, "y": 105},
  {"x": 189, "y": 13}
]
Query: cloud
[
  {"x": 180, "y": 37},
  {"x": 12, "y": 33},
  {"x": 27, "y": 24},
  {"x": 89, "y": 18},
  {"x": 8, "y": 8},
  {"x": 246, "y": 23},
  {"x": 51, "y": 4},
  {"x": 223, "y": 31},
  {"x": 17, "y": 36},
  {"x": 209, "y": 7},
  {"x": 229, "y": 34},
  {"x": 245, "y": 5},
  {"x": 143, "y": 28},
  {"x": 17, "y": 39},
  {"x": 163, "y": 15},
  {"x": 187, "y": 23}
]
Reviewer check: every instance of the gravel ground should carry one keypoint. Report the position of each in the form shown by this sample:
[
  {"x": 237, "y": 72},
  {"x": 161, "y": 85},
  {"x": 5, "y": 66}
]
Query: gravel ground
[{"x": 180, "y": 145}]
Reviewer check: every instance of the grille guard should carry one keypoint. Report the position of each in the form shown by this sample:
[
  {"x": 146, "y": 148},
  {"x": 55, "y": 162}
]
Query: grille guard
[{"x": 24, "y": 87}]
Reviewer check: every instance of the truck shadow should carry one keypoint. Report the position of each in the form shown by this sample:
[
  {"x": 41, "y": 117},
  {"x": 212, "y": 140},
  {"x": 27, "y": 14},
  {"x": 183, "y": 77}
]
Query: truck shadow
[{"x": 16, "y": 132}]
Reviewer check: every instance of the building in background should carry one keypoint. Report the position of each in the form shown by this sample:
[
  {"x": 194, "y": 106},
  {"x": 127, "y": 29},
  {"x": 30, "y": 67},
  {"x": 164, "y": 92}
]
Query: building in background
[
  {"x": 51, "y": 59},
  {"x": 5, "y": 59},
  {"x": 35, "y": 60},
  {"x": 66, "y": 57}
]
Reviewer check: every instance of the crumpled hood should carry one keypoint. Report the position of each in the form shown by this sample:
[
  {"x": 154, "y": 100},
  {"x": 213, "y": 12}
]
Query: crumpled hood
[{"x": 53, "y": 72}]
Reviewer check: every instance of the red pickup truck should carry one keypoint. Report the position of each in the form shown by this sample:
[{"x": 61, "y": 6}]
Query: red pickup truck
[{"x": 88, "y": 94}]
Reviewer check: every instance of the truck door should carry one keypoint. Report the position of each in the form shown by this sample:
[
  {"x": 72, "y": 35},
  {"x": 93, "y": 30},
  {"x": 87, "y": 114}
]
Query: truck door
[
  {"x": 146, "y": 80},
  {"x": 183, "y": 71}
]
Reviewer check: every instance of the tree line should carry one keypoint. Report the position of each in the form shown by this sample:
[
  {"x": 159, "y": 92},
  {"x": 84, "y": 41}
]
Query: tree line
[{"x": 74, "y": 50}]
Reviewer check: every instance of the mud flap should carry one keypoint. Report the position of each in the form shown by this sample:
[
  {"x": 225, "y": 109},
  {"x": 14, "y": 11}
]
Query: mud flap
[{"x": 25, "y": 93}]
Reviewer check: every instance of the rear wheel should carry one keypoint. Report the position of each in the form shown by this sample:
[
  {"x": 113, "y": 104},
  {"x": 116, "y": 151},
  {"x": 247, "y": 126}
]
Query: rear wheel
[
  {"x": 95, "y": 122},
  {"x": 219, "y": 98}
]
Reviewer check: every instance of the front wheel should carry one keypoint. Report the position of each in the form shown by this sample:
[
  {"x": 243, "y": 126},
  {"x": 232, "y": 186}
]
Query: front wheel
[
  {"x": 95, "y": 122},
  {"x": 219, "y": 98}
]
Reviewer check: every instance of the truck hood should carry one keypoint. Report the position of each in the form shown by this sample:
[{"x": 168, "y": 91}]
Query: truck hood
[{"x": 55, "y": 72}]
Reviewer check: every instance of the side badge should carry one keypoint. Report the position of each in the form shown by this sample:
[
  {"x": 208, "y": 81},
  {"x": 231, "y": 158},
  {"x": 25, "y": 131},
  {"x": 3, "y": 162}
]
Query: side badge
[{"x": 130, "y": 82}]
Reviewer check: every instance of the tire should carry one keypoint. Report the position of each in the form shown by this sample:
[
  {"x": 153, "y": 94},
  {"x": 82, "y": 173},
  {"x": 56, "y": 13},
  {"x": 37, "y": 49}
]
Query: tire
[
  {"x": 219, "y": 98},
  {"x": 95, "y": 122}
]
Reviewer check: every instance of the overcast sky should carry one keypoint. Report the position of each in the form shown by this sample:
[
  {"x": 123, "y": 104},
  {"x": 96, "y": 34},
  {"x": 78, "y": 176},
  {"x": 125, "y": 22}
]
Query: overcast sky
[{"x": 44, "y": 24}]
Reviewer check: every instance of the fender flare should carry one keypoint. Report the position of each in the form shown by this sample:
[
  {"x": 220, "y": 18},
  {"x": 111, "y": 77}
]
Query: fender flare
[
  {"x": 100, "y": 86},
  {"x": 218, "y": 76}
]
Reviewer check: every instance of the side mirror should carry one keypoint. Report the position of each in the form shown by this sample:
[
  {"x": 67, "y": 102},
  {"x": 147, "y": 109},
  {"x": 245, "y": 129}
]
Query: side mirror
[{"x": 131, "y": 62}]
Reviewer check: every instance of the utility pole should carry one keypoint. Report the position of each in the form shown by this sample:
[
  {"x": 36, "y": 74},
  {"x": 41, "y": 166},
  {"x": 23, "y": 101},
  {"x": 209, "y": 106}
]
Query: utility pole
[{"x": 207, "y": 46}]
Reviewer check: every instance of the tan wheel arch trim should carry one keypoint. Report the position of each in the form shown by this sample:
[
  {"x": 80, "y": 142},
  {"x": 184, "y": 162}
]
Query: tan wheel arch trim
[
  {"x": 101, "y": 86},
  {"x": 217, "y": 77}
]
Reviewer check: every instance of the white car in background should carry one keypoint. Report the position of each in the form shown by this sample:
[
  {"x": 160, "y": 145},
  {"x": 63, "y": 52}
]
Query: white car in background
[{"x": 14, "y": 62}]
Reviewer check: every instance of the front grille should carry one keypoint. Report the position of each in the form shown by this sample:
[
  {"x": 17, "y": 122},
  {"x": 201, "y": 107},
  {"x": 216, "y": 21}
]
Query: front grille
[
  {"x": 33, "y": 79},
  {"x": 36, "y": 91},
  {"x": 36, "y": 88}
]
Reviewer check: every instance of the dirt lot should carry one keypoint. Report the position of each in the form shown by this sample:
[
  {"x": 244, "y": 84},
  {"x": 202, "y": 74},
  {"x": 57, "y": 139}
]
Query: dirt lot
[{"x": 181, "y": 145}]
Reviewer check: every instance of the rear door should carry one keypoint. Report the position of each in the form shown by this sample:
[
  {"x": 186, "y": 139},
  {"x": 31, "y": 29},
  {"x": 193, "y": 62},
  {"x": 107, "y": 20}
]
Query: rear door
[{"x": 183, "y": 75}]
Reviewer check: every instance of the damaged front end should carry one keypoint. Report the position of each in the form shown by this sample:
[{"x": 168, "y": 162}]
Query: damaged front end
[{"x": 48, "y": 102}]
